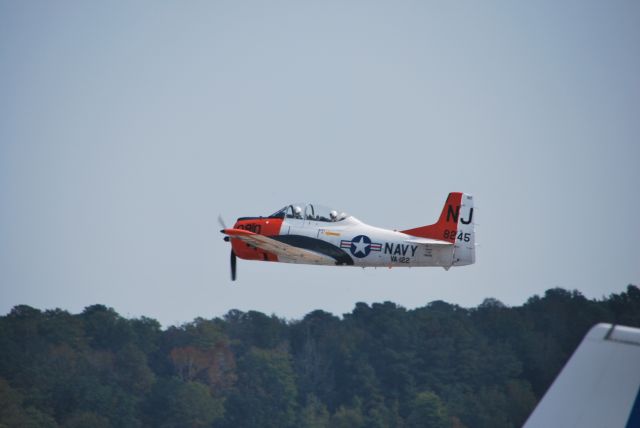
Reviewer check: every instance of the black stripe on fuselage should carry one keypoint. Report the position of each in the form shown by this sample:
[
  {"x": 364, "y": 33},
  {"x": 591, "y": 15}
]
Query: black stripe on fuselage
[{"x": 317, "y": 245}]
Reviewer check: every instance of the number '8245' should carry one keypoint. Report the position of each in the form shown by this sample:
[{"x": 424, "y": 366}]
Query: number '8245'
[{"x": 451, "y": 234}]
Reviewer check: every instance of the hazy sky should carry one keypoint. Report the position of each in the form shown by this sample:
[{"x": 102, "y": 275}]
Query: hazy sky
[{"x": 127, "y": 127}]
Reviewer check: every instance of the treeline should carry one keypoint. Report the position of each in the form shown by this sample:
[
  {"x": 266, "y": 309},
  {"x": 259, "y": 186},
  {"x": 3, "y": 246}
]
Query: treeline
[{"x": 379, "y": 366}]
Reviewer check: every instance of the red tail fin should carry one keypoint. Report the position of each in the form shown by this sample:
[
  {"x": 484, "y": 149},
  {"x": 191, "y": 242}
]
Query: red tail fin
[{"x": 447, "y": 226}]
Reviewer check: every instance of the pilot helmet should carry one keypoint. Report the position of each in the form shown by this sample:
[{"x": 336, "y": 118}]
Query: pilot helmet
[
  {"x": 297, "y": 210},
  {"x": 334, "y": 215}
]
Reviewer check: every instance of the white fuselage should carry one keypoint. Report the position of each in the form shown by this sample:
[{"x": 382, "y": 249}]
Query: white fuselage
[{"x": 370, "y": 246}]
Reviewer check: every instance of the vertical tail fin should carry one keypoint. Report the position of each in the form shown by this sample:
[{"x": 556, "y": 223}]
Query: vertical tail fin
[
  {"x": 599, "y": 385},
  {"x": 455, "y": 225}
]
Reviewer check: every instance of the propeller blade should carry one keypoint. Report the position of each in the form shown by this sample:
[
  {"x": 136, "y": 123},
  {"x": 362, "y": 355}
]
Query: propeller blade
[
  {"x": 233, "y": 266},
  {"x": 221, "y": 221}
]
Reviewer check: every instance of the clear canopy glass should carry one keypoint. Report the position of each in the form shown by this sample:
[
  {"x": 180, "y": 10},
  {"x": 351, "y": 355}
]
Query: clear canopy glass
[{"x": 311, "y": 212}]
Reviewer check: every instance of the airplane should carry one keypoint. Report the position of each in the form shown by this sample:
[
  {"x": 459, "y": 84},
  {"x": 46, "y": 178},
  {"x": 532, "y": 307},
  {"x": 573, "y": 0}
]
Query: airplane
[
  {"x": 321, "y": 236},
  {"x": 599, "y": 386}
]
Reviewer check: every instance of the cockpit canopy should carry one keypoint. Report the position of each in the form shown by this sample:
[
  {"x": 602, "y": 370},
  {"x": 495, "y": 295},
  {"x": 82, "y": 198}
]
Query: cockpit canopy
[{"x": 311, "y": 212}]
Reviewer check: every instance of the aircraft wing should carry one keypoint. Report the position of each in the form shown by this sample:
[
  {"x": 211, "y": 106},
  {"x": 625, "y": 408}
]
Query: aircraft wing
[
  {"x": 599, "y": 385},
  {"x": 278, "y": 248},
  {"x": 426, "y": 241}
]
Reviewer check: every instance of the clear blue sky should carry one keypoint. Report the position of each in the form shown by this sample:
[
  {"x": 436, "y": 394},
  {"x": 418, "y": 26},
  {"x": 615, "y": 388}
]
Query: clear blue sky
[{"x": 127, "y": 127}]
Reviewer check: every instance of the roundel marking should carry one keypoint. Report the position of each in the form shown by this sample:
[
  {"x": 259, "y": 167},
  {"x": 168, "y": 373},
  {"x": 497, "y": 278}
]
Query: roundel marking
[{"x": 360, "y": 246}]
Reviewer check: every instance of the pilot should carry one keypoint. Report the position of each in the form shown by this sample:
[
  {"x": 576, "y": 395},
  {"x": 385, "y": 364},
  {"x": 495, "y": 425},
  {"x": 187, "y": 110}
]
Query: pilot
[
  {"x": 334, "y": 215},
  {"x": 297, "y": 212}
]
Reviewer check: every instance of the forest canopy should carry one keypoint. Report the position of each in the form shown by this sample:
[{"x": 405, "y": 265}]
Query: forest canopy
[{"x": 381, "y": 365}]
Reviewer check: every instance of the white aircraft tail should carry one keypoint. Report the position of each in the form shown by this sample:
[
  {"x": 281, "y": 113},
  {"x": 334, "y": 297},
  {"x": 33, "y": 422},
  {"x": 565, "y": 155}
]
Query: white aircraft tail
[
  {"x": 456, "y": 226},
  {"x": 464, "y": 252},
  {"x": 599, "y": 385}
]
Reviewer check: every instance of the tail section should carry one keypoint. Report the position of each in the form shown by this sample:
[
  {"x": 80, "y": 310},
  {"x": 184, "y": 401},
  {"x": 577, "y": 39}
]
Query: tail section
[
  {"x": 455, "y": 225},
  {"x": 599, "y": 386}
]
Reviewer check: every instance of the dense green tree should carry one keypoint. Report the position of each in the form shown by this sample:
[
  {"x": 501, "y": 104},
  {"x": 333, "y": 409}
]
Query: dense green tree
[
  {"x": 174, "y": 404},
  {"x": 265, "y": 395},
  {"x": 147, "y": 333},
  {"x": 348, "y": 416},
  {"x": 379, "y": 366},
  {"x": 520, "y": 400},
  {"x": 316, "y": 346},
  {"x": 314, "y": 414},
  {"x": 14, "y": 414},
  {"x": 105, "y": 328},
  {"x": 255, "y": 329},
  {"x": 428, "y": 411},
  {"x": 131, "y": 370},
  {"x": 626, "y": 306},
  {"x": 85, "y": 420}
]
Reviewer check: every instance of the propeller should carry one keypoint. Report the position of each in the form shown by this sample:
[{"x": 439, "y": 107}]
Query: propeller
[
  {"x": 233, "y": 255},
  {"x": 233, "y": 266},
  {"x": 221, "y": 222}
]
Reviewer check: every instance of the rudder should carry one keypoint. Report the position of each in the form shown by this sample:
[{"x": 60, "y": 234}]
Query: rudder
[{"x": 464, "y": 252}]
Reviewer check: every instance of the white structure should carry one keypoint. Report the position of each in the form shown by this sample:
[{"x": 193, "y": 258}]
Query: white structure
[
  {"x": 599, "y": 385},
  {"x": 321, "y": 236}
]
